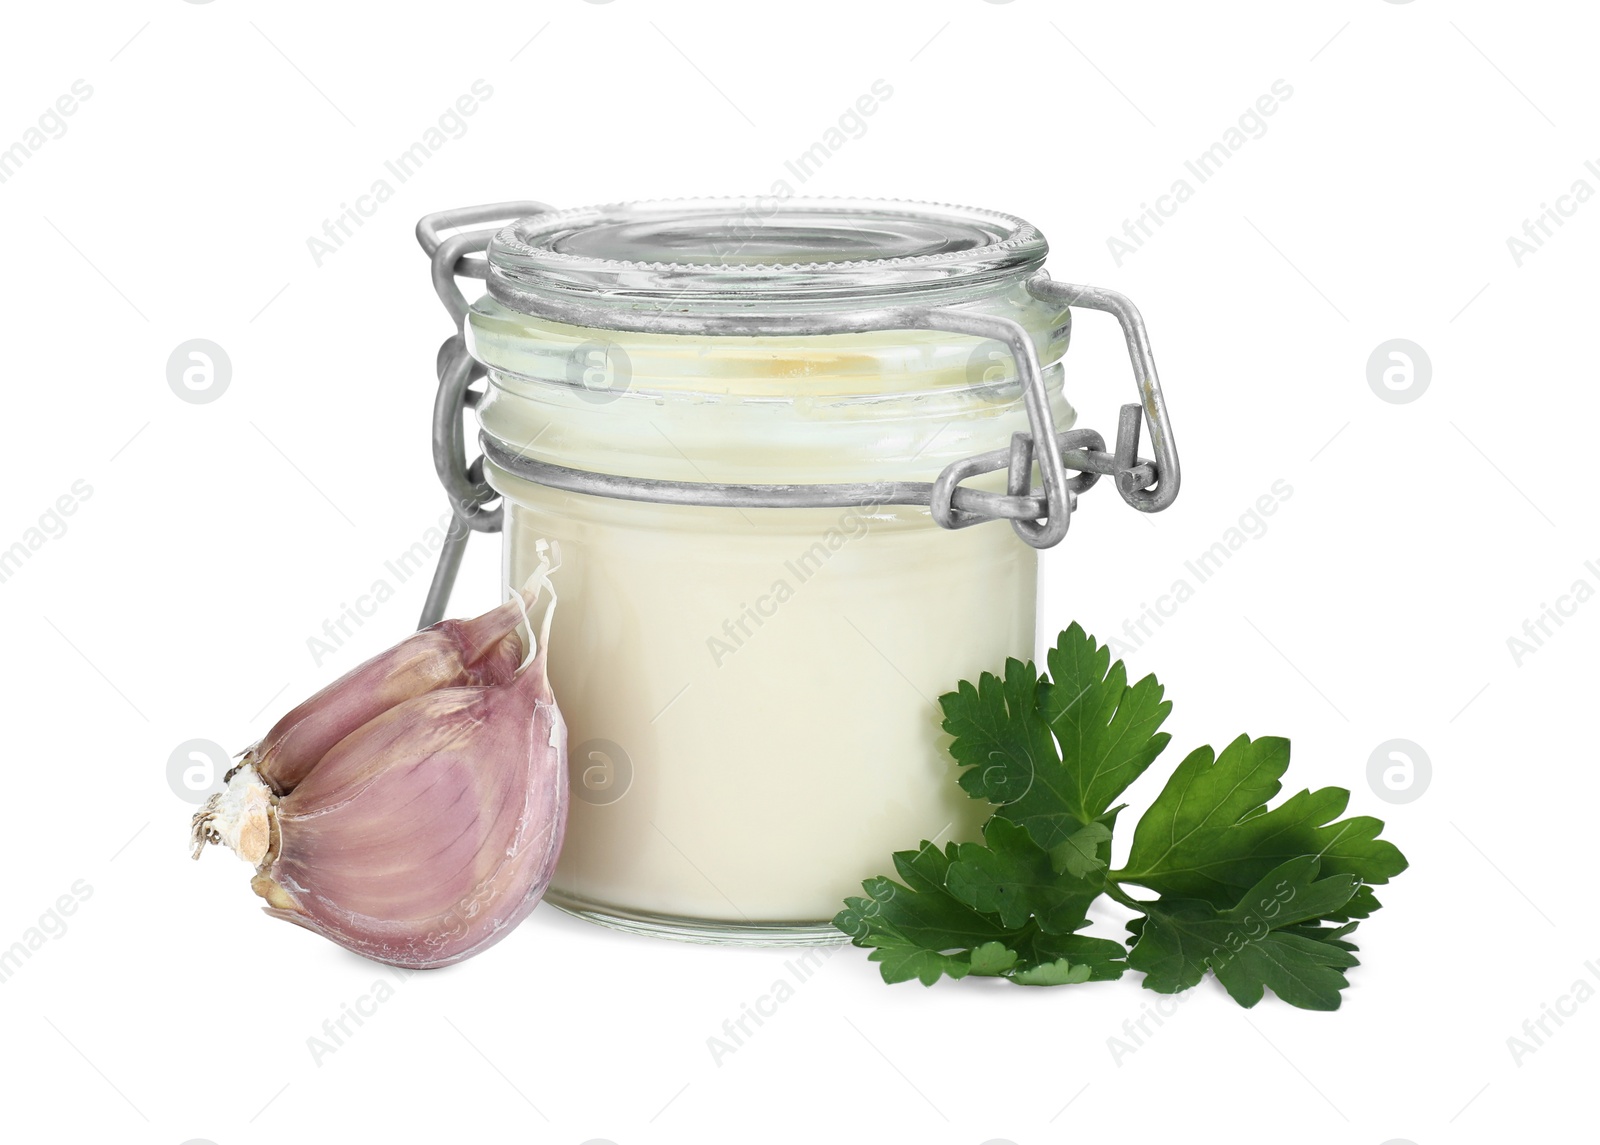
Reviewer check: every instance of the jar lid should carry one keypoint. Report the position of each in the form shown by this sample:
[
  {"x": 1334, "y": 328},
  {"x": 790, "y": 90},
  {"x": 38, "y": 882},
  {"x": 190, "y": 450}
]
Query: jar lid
[{"x": 735, "y": 255}]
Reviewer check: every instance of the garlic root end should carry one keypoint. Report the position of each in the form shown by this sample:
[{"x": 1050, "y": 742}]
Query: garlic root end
[{"x": 241, "y": 816}]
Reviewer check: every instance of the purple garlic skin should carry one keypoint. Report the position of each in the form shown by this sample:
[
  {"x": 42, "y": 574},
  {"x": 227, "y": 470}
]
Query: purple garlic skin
[
  {"x": 428, "y": 834},
  {"x": 413, "y": 810},
  {"x": 453, "y": 653}
]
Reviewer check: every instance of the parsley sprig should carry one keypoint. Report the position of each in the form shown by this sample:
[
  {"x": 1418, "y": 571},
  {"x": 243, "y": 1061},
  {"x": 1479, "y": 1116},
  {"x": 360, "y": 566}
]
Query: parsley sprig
[{"x": 1262, "y": 897}]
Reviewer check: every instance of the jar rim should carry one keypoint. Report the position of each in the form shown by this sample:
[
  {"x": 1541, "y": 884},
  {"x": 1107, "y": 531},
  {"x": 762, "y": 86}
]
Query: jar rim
[{"x": 732, "y": 255}]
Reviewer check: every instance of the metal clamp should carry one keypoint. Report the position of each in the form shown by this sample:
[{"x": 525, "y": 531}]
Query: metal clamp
[
  {"x": 1148, "y": 491},
  {"x": 1041, "y": 516},
  {"x": 470, "y": 495}
]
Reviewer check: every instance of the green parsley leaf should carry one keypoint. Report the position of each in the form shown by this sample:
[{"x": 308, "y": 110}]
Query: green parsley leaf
[
  {"x": 1058, "y": 973},
  {"x": 1332, "y": 935},
  {"x": 1363, "y": 904},
  {"x": 1010, "y": 875},
  {"x": 1209, "y": 835},
  {"x": 1006, "y": 734},
  {"x": 1109, "y": 732},
  {"x": 1000, "y": 738},
  {"x": 991, "y": 958},
  {"x": 1255, "y": 945},
  {"x": 1086, "y": 850},
  {"x": 1106, "y": 958},
  {"x": 919, "y": 930}
]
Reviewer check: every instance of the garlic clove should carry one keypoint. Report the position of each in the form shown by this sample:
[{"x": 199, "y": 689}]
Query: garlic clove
[
  {"x": 410, "y": 819},
  {"x": 453, "y": 653},
  {"x": 429, "y": 833}
]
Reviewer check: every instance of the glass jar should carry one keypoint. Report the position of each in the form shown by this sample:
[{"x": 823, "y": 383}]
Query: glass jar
[{"x": 755, "y": 433}]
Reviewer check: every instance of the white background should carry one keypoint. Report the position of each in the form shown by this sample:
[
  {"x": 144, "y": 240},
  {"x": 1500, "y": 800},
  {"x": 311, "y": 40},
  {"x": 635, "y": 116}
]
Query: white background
[{"x": 1377, "y": 604}]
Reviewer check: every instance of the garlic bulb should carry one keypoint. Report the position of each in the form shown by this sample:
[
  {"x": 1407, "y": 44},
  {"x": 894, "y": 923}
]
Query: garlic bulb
[{"x": 430, "y": 828}]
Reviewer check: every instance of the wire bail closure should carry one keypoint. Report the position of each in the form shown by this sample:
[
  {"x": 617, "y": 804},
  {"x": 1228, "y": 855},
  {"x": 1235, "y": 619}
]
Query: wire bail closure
[{"x": 1039, "y": 515}]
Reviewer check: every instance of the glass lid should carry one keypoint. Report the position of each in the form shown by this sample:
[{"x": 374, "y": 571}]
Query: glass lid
[{"x": 722, "y": 254}]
